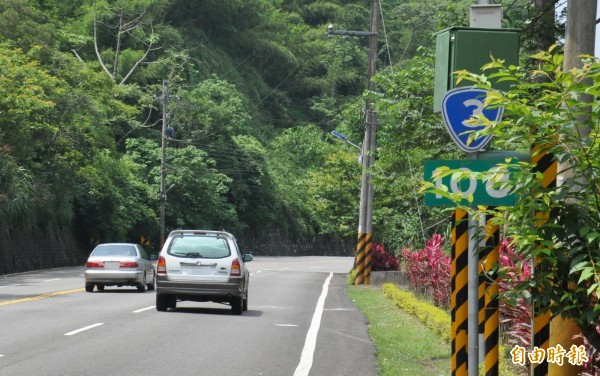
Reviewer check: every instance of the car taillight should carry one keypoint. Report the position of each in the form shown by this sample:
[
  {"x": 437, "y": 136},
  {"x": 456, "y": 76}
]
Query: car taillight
[
  {"x": 128, "y": 264},
  {"x": 236, "y": 270},
  {"x": 161, "y": 266},
  {"x": 94, "y": 264}
]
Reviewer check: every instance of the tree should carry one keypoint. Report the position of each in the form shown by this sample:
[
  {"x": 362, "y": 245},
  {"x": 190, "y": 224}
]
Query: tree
[
  {"x": 293, "y": 157},
  {"x": 25, "y": 26},
  {"x": 409, "y": 133},
  {"x": 123, "y": 37},
  {"x": 566, "y": 243},
  {"x": 199, "y": 194}
]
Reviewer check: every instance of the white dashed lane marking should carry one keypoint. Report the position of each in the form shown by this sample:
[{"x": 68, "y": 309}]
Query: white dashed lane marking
[
  {"x": 144, "y": 309},
  {"x": 84, "y": 329}
]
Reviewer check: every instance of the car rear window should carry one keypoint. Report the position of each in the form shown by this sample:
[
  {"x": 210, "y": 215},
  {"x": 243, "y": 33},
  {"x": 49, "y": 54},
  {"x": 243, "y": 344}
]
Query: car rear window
[
  {"x": 114, "y": 250},
  {"x": 198, "y": 246}
]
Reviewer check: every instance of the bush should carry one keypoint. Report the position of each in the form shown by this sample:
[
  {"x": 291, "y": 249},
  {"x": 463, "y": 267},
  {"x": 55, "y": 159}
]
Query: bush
[
  {"x": 428, "y": 270},
  {"x": 433, "y": 317},
  {"x": 516, "y": 313},
  {"x": 383, "y": 260}
]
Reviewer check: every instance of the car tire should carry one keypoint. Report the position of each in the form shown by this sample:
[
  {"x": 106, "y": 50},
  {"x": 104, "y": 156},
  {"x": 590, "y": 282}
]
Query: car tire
[
  {"x": 89, "y": 287},
  {"x": 172, "y": 301},
  {"x": 162, "y": 302},
  {"x": 100, "y": 287},
  {"x": 142, "y": 286},
  {"x": 152, "y": 285},
  {"x": 237, "y": 305},
  {"x": 245, "y": 304}
]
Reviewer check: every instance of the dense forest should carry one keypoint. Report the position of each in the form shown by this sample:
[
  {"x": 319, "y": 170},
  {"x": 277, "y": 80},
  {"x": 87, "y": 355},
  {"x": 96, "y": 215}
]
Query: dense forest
[{"x": 249, "y": 91}]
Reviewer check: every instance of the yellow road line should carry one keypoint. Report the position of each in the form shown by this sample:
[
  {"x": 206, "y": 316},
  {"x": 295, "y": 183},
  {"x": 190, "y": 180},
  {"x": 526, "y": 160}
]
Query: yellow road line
[{"x": 38, "y": 297}]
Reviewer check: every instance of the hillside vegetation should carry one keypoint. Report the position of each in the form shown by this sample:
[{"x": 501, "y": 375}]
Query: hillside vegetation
[{"x": 251, "y": 90}]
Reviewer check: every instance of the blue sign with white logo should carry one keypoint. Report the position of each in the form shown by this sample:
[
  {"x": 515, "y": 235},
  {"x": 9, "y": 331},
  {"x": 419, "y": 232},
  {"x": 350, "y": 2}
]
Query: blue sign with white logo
[{"x": 458, "y": 106}]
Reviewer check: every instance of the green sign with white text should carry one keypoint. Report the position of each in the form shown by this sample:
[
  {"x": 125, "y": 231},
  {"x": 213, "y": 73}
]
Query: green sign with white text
[{"x": 489, "y": 188}]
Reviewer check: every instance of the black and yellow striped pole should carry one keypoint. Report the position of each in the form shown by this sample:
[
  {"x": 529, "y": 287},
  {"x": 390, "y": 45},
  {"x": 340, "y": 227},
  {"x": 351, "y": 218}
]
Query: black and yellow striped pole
[
  {"x": 359, "y": 261},
  {"x": 453, "y": 294},
  {"x": 492, "y": 314},
  {"x": 362, "y": 265},
  {"x": 368, "y": 258},
  {"x": 459, "y": 239},
  {"x": 482, "y": 256},
  {"x": 545, "y": 164}
]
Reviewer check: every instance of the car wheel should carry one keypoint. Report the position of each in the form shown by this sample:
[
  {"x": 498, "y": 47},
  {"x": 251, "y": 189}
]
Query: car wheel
[
  {"x": 172, "y": 301},
  {"x": 237, "y": 305},
  {"x": 162, "y": 302},
  {"x": 89, "y": 287},
  {"x": 100, "y": 287},
  {"x": 142, "y": 286},
  {"x": 245, "y": 304},
  {"x": 152, "y": 285}
]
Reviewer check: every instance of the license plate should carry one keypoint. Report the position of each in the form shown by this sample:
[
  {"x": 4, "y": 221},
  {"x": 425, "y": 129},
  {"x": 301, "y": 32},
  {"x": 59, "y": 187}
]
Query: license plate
[
  {"x": 197, "y": 269},
  {"x": 111, "y": 264}
]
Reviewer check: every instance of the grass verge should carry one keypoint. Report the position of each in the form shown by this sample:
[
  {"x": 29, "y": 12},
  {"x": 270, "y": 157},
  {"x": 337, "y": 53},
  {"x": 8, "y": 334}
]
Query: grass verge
[
  {"x": 411, "y": 336},
  {"x": 404, "y": 345}
]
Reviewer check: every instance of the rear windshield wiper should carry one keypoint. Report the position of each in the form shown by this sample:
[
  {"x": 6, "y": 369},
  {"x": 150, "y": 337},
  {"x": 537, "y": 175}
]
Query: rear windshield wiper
[{"x": 193, "y": 255}]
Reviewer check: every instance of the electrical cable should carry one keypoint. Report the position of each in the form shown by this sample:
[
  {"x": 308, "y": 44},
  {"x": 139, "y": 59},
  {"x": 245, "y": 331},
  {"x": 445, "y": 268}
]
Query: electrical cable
[{"x": 419, "y": 212}]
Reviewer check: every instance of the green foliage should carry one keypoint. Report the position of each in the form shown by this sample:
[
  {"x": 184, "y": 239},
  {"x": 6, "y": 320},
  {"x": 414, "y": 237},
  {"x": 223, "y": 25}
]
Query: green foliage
[
  {"x": 559, "y": 111},
  {"x": 404, "y": 345},
  {"x": 291, "y": 158},
  {"x": 213, "y": 110},
  {"x": 255, "y": 86},
  {"x": 408, "y": 134},
  {"x": 193, "y": 182},
  {"x": 435, "y": 318},
  {"x": 25, "y": 26},
  {"x": 351, "y": 277},
  {"x": 439, "y": 321}
]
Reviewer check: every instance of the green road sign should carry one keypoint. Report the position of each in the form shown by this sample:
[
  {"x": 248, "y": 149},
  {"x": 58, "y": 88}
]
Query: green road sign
[{"x": 488, "y": 189}]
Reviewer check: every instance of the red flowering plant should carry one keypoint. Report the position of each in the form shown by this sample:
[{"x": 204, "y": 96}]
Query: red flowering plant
[
  {"x": 383, "y": 260},
  {"x": 591, "y": 367},
  {"x": 428, "y": 270},
  {"x": 516, "y": 312}
]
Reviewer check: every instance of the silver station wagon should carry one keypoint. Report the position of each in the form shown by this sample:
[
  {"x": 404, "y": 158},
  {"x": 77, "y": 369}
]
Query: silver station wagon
[{"x": 201, "y": 266}]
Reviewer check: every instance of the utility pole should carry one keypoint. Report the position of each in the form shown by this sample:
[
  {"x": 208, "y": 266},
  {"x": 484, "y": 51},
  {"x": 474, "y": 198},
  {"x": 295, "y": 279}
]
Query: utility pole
[
  {"x": 367, "y": 191},
  {"x": 362, "y": 263},
  {"x": 163, "y": 171},
  {"x": 580, "y": 36},
  {"x": 580, "y": 31}
]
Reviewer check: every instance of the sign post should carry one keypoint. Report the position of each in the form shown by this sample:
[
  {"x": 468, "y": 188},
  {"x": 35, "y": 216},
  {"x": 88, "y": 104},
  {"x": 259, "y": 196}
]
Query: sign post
[
  {"x": 469, "y": 48},
  {"x": 491, "y": 188}
]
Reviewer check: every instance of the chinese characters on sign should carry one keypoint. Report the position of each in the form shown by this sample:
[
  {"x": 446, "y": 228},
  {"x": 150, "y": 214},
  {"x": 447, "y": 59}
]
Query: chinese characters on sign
[{"x": 575, "y": 356}]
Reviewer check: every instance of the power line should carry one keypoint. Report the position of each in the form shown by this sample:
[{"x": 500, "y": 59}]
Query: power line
[{"x": 410, "y": 168}]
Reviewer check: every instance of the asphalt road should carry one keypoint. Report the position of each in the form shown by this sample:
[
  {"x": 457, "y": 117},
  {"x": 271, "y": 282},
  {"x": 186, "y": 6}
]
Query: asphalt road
[{"x": 299, "y": 322}]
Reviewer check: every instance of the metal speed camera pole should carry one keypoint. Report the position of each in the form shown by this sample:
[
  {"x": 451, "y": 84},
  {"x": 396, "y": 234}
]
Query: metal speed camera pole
[
  {"x": 469, "y": 48},
  {"x": 473, "y": 290}
]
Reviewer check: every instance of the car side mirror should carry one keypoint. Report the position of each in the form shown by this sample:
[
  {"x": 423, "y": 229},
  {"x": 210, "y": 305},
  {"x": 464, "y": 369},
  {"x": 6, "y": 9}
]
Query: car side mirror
[{"x": 248, "y": 257}]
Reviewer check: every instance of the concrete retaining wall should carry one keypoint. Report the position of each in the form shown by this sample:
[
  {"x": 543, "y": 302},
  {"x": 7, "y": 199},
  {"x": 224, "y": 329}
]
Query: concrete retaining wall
[
  {"x": 34, "y": 250},
  {"x": 276, "y": 243}
]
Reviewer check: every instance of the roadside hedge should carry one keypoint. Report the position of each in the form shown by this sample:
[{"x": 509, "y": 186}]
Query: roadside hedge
[{"x": 433, "y": 317}]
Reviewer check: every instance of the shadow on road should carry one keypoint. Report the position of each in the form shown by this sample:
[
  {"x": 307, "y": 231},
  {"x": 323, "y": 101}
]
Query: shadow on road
[{"x": 225, "y": 311}]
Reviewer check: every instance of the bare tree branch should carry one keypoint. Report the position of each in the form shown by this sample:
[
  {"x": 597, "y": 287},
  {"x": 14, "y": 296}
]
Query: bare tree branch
[
  {"x": 118, "y": 47},
  {"x": 98, "y": 52},
  {"x": 77, "y": 55}
]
